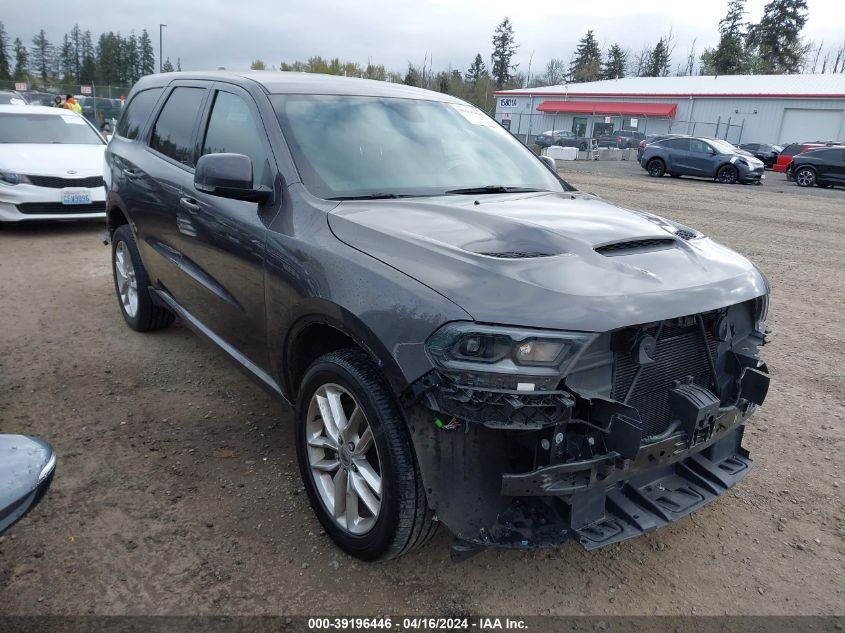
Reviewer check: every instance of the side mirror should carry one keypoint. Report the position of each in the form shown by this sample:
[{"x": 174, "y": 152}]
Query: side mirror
[
  {"x": 550, "y": 163},
  {"x": 26, "y": 470},
  {"x": 228, "y": 176}
]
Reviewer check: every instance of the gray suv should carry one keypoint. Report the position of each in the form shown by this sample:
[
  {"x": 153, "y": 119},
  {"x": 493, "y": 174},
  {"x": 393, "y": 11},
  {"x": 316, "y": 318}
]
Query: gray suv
[
  {"x": 703, "y": 157},
  {"x": 464, "y": 338}
]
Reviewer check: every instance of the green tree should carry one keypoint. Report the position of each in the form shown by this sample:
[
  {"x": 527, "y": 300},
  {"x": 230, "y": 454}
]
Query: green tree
[
  {"x": 586, "y": 66},
  {"x": 21, "y": 61},
  {"x": 477, "y": 70},
  {"x": 5, "y": 64},
  {"x": 167, "y": 67},
  {"x": 108, "y": 59},
  {"x": 43, "y": 55},
  {"x": 729, "y": 57},
  {"x": 131, "y": 59},
  {"x": 146, "y": 54},
  {"x": 257, "y": 65},
  {"x": 616, "y": 63},
  {"x": 413, "y": 77},
  {"x": 87, "y": 59},
  {"x": 659, "y": 60},
  {"x": 504, "y": 48},
  {"x": 776, "y": 40},
  {"x": 76, "y": 52},
  {"x": 67, "y": 61}
]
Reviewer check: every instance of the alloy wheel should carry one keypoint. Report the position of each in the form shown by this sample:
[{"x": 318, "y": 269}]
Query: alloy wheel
[
  {"x": 343, "y": 459},
  {"x": 728, "y": 175},
  {"x": 127, "y": 284},
  {"x": 805, "y": 177}
]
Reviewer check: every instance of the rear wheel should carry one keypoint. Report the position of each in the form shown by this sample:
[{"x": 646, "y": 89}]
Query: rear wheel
[
  {"x": 131, "y": 284},
  {"x": 656, "y": 167},
  {"x": 805, "y": 176},
  {"x": 728, "y": 174},
  {"x": 356, "y": 459}
]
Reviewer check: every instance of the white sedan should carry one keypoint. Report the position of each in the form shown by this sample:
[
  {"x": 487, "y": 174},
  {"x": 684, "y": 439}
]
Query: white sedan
[{"x": 51, "y": 165}]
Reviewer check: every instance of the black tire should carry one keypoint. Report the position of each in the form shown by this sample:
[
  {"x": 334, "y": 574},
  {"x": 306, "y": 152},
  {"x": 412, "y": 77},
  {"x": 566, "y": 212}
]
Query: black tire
[
  {"x": 805, "y": 176},
  {"x": 582, "y": 146},
  {"x": 728, "y": 175},
  {"x": 148, "y": 316},
  {"x": 404, "y": 521},
  {"x": 656, "y": 167}
]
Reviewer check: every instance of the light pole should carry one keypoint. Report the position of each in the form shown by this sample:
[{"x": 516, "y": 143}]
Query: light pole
[{"x": 160, "y": 47}]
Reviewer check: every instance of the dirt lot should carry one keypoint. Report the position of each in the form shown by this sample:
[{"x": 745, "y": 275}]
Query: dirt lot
[{"x": 177, "y": 491}]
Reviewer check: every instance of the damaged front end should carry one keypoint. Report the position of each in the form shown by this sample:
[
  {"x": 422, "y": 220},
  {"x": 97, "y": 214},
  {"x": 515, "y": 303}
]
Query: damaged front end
[{"x": 526, "y": 438}]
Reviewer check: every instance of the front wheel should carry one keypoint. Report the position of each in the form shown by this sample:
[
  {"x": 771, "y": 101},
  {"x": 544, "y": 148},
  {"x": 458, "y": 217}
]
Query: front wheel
[
  {"x": 656, "y": 167},
  {"x": 131, "y": 284},
  {"x": 356, "y": 459},
  {"x": 728, "y": 174},
  {"x": 805, "y": 177}
]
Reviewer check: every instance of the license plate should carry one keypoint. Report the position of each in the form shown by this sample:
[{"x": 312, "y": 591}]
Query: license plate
[{"x": 74, "y": 197}]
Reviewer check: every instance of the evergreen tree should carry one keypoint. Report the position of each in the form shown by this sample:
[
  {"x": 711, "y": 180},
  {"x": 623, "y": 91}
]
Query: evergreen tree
[
  {"x": 167, "y": 67},
  {"x": 258, "y": 65},
  {"x": 5, "y": 65},
  {"x": 477, "y": 70},
  {"x": 43, "y": 55},
  {"x": 76, "y": 47},
  {"x": 616, "y": 64},
  {"x": 131, "y": 59},
  {"x": 659, "y": 59},
  {"x": 178, "y": 64},
  {"x": 21, "y": 61},
  {"x": 87, "y": 59},
  {"x": 67, "y": 61},
  {"x": 146, "y": 54},
  {"x": 729, "y": 57},
  {"x": 587, "y": 63},
  {"x": 776, "y": 40},
  {"x": 108, "y": 59},
  {"x": 504, "y": 49},
  {"x": 413, "y": 77}
]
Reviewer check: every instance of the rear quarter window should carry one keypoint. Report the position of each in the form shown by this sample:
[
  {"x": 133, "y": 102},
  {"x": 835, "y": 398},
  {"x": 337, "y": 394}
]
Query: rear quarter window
[{"x": 137, "y": 112}]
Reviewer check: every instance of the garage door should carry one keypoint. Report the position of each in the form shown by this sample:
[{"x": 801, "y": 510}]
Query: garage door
[{"x": 805, "y": 124}]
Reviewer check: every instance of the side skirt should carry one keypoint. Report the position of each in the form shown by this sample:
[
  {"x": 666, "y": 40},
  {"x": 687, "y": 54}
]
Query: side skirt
[{"x": 242, "y": 362}]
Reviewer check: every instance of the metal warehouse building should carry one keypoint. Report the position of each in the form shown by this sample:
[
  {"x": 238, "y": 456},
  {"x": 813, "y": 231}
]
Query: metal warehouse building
[{"x": 739, "y": 108}]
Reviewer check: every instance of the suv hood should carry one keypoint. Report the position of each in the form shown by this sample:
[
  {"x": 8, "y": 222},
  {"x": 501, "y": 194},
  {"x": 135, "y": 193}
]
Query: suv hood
[{"x": 529, "y": 259}]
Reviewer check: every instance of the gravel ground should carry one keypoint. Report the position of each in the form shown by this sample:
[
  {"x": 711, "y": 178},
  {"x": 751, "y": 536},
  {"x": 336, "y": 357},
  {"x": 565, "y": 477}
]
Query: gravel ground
[{"x": 177, "y": 490}]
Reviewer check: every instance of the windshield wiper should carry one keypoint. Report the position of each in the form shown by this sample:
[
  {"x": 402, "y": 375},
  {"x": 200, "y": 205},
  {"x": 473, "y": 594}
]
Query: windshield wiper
[
  {"x": 491, "y": 189},
  {"x": 372, "y": 196}
]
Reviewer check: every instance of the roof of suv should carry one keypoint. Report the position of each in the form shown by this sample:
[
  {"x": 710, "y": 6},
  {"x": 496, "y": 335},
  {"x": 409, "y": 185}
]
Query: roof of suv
[{"x": 281, "y": 82}]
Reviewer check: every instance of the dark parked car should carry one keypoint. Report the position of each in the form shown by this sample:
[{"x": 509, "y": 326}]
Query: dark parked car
[
  {"x": 703, "y": 157},
  {"x": 26, "y": 471},
  {"x": 822, "y": 167},
  {"x": 623, "y": 139},
  {"x": 784, "y": 159},
  {"x": 466, "y": 340},
  {"x": 653, "y": 138},
  {"x": 562, "y": 138},
  {"x": 763, "y": 152},
  {"x": 10, "y": 97}
]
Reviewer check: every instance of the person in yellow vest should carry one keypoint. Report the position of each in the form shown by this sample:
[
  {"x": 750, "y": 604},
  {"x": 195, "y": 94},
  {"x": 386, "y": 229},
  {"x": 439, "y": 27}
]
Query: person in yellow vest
[{"x": 71, "y": 104}]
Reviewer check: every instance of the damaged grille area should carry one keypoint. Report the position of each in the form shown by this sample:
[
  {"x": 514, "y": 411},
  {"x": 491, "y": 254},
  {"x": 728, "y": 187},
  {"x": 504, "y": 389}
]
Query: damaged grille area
[
  {"x": 680, "y": 355},
  {"x": 516, "y": 254},
  {"x": 635, "y": 246}
]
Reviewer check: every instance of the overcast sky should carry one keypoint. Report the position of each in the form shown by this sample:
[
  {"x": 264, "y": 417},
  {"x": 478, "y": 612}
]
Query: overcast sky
[{"x": 232, "y": 33}]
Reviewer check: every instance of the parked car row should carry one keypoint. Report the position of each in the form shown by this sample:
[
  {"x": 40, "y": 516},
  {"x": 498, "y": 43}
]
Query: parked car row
[{"x": 562, "y": 138}]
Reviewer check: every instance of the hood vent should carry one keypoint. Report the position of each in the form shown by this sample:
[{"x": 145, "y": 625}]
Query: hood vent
[
  {"x": 630, "y": 247},
  {"x": 686, "y": 234},
  {"x": 516, "y": 254}
]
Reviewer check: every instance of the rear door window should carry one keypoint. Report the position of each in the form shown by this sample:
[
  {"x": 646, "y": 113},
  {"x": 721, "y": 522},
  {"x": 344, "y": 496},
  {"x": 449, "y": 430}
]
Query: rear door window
[
  {"x": 676, "y": 143},
  {"x": 137, "y": 113},
  {"x": 174, "y": 127}
]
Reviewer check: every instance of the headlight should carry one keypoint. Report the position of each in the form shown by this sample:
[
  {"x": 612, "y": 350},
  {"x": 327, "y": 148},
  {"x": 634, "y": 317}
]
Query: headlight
[
  {"x": 469, "y": 347},
  {"x": 11, "y": 178}
]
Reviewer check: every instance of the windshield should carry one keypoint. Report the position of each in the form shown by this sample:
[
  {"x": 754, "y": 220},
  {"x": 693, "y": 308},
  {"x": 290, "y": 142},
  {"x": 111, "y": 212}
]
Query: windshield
[
  {"x": 346, "y": 146},
  {"x": 37, "y": 129},
  {"x": 723, "y": 147}
]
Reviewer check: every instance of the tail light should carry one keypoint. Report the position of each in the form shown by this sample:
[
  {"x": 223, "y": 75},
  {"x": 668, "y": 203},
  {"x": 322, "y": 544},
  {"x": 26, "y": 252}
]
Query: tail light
[
  {"x": 641, "y": 145},
  {"x": 619, "y": 139}
]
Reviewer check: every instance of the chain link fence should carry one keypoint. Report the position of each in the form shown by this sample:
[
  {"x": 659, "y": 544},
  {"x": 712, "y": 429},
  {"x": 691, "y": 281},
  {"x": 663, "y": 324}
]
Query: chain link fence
[{"x": 101, "y": 104}]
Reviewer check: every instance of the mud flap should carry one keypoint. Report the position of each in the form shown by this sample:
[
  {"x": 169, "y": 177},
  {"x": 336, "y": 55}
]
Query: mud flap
[{"x": 642, "y": 505}]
